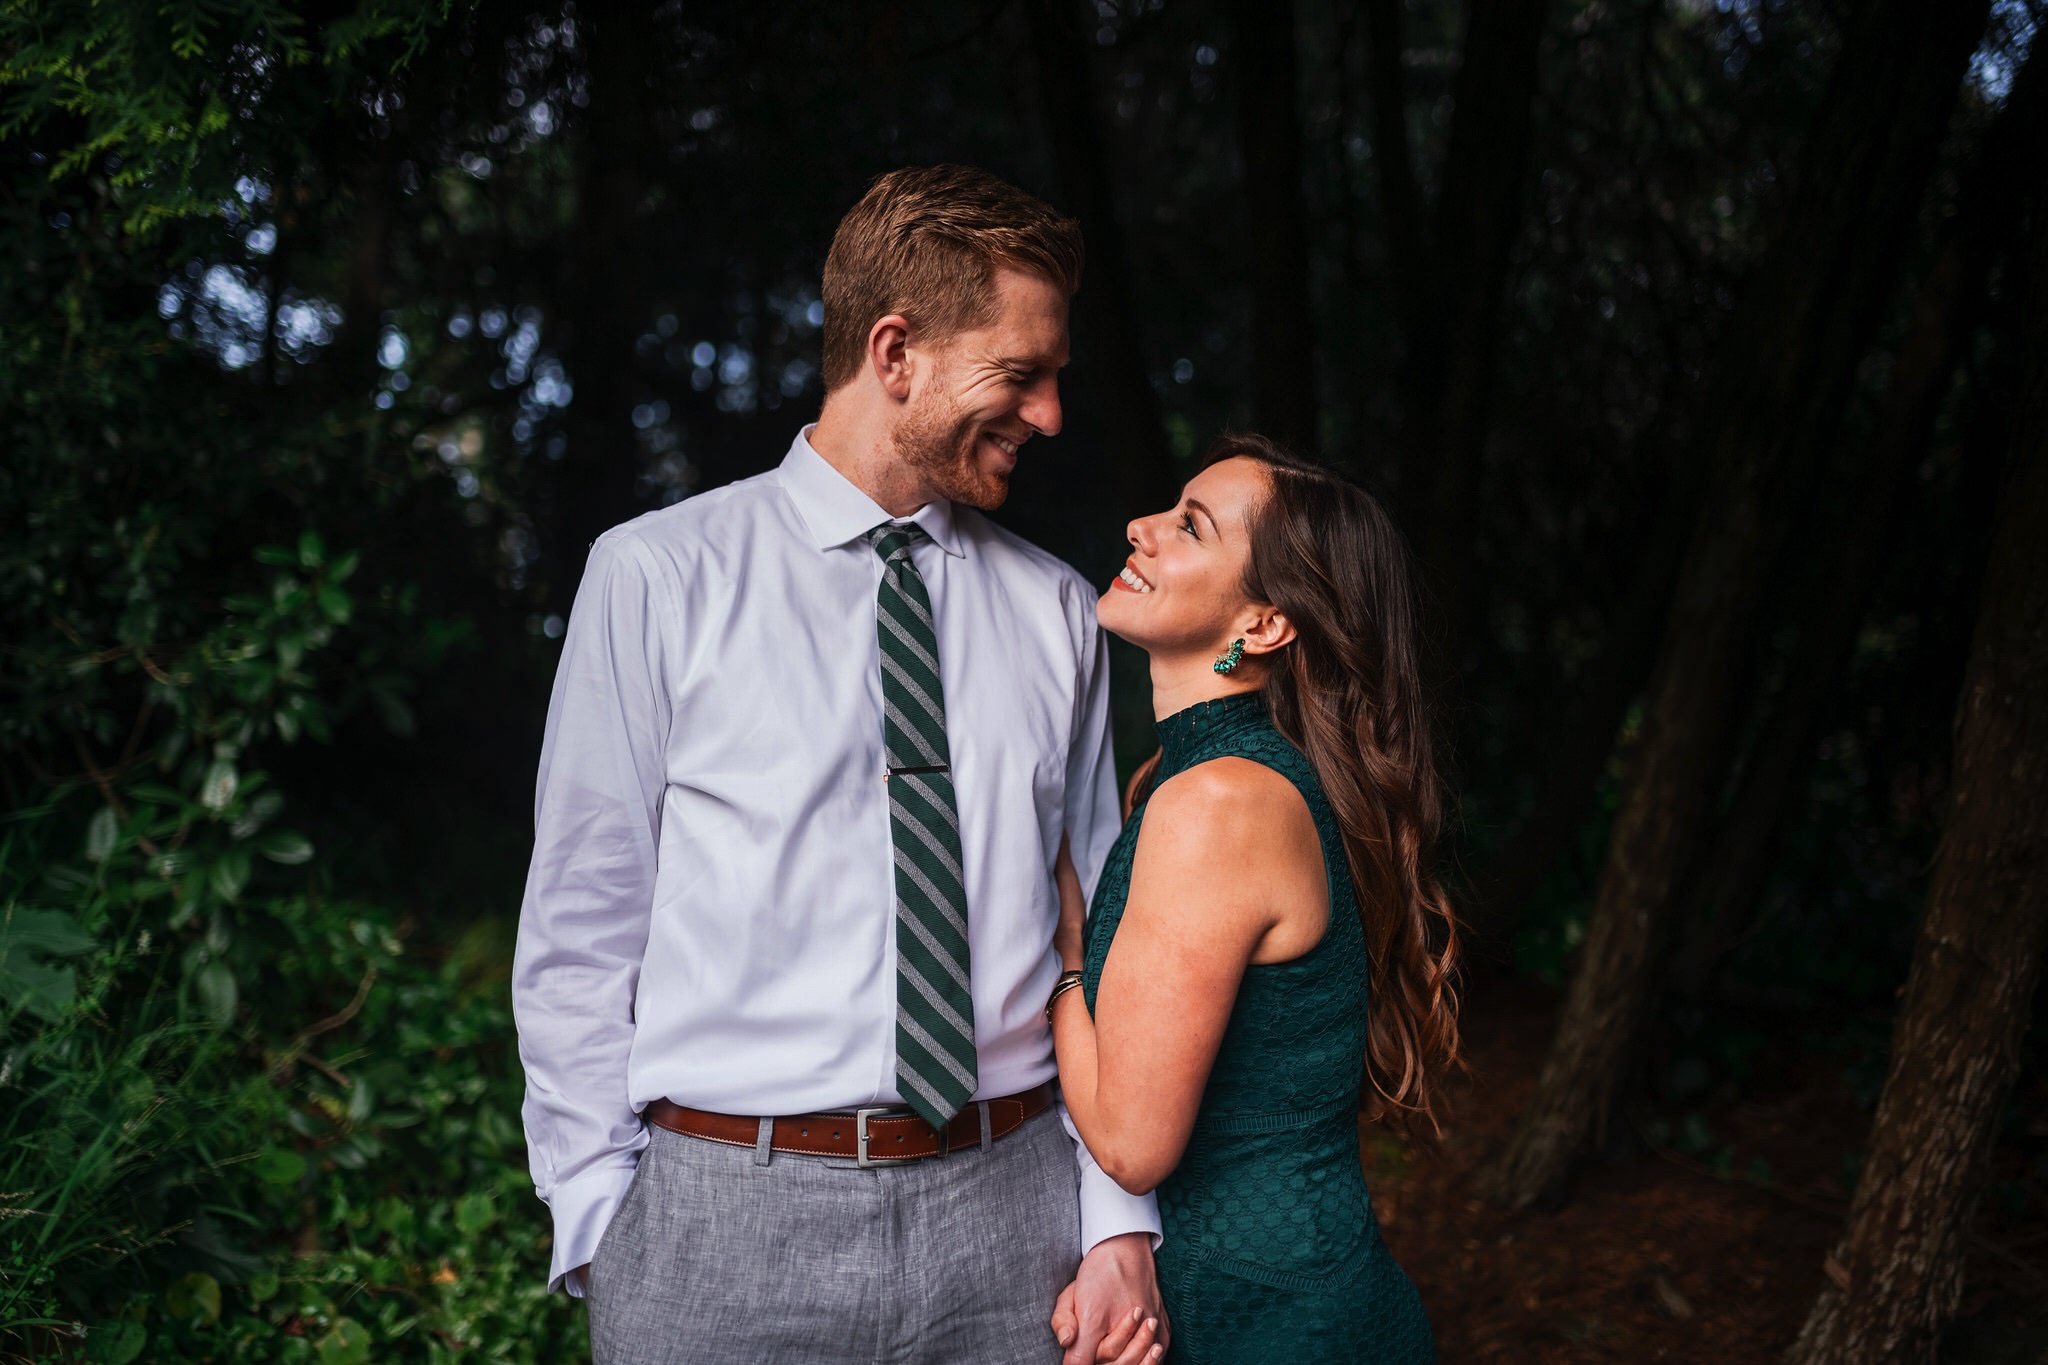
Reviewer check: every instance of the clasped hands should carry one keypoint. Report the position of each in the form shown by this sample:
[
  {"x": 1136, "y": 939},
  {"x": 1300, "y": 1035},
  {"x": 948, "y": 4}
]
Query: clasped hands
[
  {"x": 1112, "y": 1310},
  {"x": 1086, "y": 1319}
]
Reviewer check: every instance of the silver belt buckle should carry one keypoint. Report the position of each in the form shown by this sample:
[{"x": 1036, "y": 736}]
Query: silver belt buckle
[{"x": 895, "y": 1111}]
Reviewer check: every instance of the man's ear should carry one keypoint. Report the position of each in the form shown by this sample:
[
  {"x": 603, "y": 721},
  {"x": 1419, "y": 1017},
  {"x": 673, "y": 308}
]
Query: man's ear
[
  {"x": 1266, "y": 629},
  {"x": 889, "y": 354}
]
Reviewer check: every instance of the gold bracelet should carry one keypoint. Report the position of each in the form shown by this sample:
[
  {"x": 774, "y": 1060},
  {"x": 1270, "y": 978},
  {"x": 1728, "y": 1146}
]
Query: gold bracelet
[{"x": 1067, "y": 982}]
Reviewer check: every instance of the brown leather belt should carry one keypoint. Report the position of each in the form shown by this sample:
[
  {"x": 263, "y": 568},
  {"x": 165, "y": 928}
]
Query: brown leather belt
[{"x": 884, "y": 1135}]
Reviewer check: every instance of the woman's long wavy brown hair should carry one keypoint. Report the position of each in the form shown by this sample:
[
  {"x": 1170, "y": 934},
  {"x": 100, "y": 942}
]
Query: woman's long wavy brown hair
[{"x": 1347, "y": 692}]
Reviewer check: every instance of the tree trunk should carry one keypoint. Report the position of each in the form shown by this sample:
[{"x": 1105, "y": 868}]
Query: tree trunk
[
  {"x": 1353, "y": 435},
  {"x": 1283, "y": 358},
  {"x": 1947, "y": 308},
  {"x": 276, "y": 279},
  {"x": 1582, "y": 739},
  {"x": 1956, "y": 1048},
  {"x": 1478, "y": 217},
  {"x": 1400, "y": 201},
  {"x": 607, "y": 304},
  {"x": 1784, "y": 369},
  {"x": 1105, "y": 334},
  {"x": 369, "y": 250},
  {"x": 1448, "y": 270}
]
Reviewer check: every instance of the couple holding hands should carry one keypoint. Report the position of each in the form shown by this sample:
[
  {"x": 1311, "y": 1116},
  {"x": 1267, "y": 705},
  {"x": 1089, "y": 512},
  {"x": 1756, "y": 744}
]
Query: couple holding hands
[{"x": 831, "y": 879}]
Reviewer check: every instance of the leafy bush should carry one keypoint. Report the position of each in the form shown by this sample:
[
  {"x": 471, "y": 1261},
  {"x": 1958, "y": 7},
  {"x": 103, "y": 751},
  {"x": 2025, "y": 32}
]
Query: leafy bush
[
  {"x": 330, "y": 1172},
  {"x": 168, "y": 89},
  {"x": 241, "y": 1118},
  {"x": 240, "y": 1122}
]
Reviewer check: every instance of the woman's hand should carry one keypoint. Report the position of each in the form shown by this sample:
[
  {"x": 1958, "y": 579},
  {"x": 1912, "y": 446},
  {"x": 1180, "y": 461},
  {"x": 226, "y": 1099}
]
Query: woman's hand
[
  {"x": 1073, "y": 911},
  {"x": 1133, "y": 1340}
]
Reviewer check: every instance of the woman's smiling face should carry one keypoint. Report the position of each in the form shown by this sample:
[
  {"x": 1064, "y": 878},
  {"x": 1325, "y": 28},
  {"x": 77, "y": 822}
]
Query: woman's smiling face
[{"x": 1182, "y": 589}]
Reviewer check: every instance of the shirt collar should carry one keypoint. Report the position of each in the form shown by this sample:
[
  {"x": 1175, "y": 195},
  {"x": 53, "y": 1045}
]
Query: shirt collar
[{"x": 835, "y": 511}]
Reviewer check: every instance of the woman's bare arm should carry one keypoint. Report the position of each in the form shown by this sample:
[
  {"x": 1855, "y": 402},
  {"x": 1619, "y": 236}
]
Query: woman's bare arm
[{"x": 1228, "y": 871}]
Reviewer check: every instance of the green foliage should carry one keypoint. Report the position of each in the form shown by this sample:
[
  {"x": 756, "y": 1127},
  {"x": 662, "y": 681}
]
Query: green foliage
[
  {"x": 325, "y": 1165},
  {"x": 161, "y": 93},
  {"x": 32, "y": 944},
  {"x": 239, "y": 1119},
  {"x": 245, "y": 1116}
]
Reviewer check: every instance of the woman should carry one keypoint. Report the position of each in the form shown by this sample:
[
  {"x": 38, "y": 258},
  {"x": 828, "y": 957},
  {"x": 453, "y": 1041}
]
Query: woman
[{"x": 1215, "y": 1024}]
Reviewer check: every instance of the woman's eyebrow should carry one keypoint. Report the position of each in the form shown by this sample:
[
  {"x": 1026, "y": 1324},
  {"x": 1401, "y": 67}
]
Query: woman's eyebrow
[{"x": 1196, "y": 506}]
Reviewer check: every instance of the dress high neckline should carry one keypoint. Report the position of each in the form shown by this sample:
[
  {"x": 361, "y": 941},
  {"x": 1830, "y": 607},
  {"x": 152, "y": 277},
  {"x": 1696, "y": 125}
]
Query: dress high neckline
[{"x": 1192, "y": 729}]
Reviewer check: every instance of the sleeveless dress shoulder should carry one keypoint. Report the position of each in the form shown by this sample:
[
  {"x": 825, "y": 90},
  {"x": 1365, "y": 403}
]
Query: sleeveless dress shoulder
[{"x": 1271, "y": 1250}]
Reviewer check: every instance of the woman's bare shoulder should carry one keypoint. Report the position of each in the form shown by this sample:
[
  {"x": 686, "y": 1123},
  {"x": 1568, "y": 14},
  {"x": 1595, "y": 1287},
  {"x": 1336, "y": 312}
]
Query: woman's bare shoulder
[
  {"x": 1228, "y": 851},
  {"x": 1226, "y": 804}
]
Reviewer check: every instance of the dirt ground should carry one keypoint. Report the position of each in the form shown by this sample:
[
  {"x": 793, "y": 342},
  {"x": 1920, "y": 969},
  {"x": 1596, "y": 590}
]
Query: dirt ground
[{"x": 1656, "y": 1257}]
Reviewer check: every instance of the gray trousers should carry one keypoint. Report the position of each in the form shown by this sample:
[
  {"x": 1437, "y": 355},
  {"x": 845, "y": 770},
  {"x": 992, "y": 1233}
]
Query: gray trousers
[{"x": 733, "y": 1254}]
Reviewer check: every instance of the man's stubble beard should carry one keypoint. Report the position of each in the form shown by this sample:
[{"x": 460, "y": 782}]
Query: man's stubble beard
[{"x": 940, "y": 443}]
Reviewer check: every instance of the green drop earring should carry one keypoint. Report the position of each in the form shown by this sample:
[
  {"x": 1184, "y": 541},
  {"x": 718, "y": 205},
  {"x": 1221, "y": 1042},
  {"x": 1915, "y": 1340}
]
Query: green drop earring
[{"x": 1230, "y": 657}]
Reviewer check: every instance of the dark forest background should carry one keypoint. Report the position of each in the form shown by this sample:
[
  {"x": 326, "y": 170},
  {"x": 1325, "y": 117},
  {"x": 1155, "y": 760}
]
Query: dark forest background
[{"x": 1700, "y": 348}]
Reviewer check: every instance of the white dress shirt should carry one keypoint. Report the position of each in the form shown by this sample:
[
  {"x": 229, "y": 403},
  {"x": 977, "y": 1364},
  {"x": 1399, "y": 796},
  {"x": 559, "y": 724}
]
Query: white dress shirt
[{"x": 710, "y": 912}]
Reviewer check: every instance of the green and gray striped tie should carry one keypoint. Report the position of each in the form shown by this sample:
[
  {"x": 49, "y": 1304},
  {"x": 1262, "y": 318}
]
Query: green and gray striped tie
[{"x": 935, "y": 1060}]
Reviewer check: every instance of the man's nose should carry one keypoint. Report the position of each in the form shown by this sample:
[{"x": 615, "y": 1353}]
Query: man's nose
[{"x": 1041, "y": 410}]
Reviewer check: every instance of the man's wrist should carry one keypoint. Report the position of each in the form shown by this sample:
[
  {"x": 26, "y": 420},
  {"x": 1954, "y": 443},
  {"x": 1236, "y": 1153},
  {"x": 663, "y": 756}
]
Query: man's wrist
[{"x": 1135, "y": 1242}]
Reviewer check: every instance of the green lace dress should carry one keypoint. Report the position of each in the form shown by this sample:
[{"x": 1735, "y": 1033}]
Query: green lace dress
[{"x": 1272, "y": 1252}]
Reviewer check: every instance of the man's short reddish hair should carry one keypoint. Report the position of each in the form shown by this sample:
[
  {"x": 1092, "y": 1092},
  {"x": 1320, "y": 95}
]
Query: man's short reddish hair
[{"x": 925, "y": 241}]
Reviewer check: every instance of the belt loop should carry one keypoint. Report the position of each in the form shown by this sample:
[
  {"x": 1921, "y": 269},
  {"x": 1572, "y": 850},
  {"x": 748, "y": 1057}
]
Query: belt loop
[
  {"x": 764, "y": 1141},
  {"x": 988, "y": 1127}
]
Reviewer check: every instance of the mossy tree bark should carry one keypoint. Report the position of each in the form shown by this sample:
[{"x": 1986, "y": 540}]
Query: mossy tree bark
[
  {"x": 1956, "y": 1048},
  {"x": 1786, "y": 363},
  {"x": 1948, "y": 306}
]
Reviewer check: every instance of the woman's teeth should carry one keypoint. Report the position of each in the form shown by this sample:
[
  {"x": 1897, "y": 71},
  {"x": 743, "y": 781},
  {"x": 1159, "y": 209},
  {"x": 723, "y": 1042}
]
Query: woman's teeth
[{"x": 1132, "y": 581}]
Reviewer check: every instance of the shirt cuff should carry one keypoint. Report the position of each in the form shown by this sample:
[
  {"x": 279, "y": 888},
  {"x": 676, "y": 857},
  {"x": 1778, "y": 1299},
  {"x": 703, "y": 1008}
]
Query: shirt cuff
[
  {"x": 583, "y": 1208},
  {"x": 1109, "y": 1210}
]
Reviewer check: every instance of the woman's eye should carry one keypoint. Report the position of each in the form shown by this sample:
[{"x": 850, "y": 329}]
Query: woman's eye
[{"x": 1187, "y": 523}]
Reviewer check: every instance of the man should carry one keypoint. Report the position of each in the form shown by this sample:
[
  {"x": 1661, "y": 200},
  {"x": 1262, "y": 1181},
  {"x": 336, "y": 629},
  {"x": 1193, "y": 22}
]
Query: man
[{"x": 816, "y": 743}]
